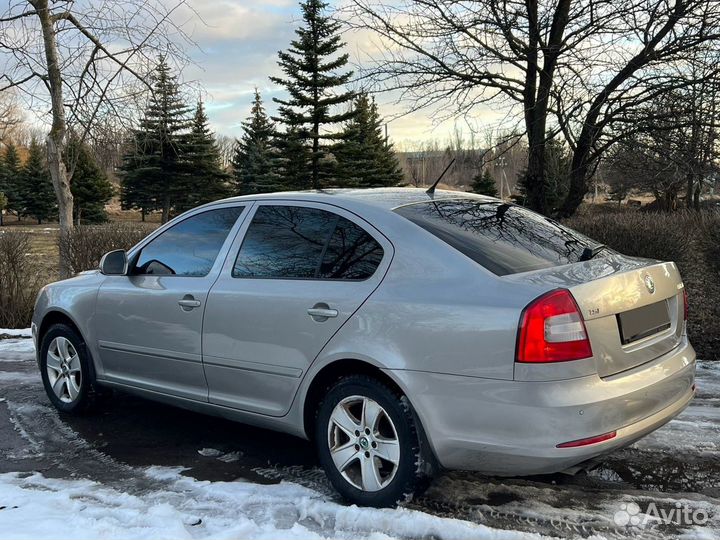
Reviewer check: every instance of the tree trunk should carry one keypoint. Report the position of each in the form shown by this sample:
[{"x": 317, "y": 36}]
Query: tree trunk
[
  {"x": 690, "y": 190},
  {"x": 166, "y": 210},
  {"x": 142, "y": 214},
  {"x": 578, "y": 181},
  {"x": 535, "y": 184},
  {"x": 696, "y": 195},
  {"x": 56, "y": 138},
  {"x": 315, "y": 156}
]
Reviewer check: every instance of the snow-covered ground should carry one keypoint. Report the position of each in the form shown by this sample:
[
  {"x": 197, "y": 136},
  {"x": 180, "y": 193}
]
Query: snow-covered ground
[
  {"x": 87, "y": 490},
  {"x": 39, "y": 507},
  {"x": 15, "y": 344}
]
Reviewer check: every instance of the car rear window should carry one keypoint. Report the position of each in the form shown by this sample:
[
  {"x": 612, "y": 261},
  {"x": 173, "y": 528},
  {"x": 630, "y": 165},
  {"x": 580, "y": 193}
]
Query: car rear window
[{"x": 504, "y": 238}]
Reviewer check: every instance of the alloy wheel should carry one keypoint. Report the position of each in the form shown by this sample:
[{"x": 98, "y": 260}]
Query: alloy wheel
[
  {"x": 363, "y": 442},
  {"x": 63, "y": 369}
]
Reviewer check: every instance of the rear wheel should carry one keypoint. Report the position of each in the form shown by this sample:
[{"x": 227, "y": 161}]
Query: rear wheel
[
  {"x": 369, "y": 443},
  {"x": 65, "y": 370}
]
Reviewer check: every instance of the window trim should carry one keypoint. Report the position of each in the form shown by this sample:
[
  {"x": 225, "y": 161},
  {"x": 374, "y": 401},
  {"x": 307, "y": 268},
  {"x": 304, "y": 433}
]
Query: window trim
[
  {"x": 384, "y": 243},
  {"x": 135, "y": 252}
]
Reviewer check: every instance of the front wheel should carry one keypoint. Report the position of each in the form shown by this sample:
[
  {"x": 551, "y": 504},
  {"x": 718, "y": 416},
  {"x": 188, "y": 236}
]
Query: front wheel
[
  {"x": 65, "y": 370},
  {"x": 369, "y": 443}
]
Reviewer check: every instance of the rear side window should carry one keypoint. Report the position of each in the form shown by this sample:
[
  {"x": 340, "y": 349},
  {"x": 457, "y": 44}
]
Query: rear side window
[
  {"x": 190, "y": 247},
  {"x": 292, "y": 242},
  {"x": 351, "y": 253},
  {"x": 504, "y": 238}
]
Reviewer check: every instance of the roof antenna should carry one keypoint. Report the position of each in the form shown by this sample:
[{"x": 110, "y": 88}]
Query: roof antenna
[{"x": 431, "y": 189}]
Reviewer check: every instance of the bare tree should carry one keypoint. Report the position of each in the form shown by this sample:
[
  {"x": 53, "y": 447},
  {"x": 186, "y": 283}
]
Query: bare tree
[
  {"x": 575, "y": 66},
  {"x": 226, "y": 146},
  {"x": 673, "y": 146},
  {"x": 10, "y": 116},
  {"x": 82, "y": 60}
]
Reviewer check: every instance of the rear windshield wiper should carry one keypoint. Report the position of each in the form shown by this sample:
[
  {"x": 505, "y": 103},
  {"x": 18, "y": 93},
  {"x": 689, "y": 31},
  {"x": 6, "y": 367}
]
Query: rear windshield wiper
[{"x": 590, "y": 252}]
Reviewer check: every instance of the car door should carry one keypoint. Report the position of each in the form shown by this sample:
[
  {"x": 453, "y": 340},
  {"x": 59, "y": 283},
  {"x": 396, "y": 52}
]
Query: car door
[
  {"x": 296, "y": 273},
  {"x": 149, "y": 322}
]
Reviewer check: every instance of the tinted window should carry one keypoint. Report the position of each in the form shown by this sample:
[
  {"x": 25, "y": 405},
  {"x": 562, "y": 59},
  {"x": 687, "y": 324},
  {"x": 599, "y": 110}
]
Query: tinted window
[
  {"x": 503, "y": 238},
  {"x": 304, "y": 243},
  {"x": 351, "y": 253},
  {"x": 190, "y": 247}
]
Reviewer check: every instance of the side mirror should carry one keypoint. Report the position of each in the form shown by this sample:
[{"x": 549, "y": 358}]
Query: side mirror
[{"x": 114, "y": 263}]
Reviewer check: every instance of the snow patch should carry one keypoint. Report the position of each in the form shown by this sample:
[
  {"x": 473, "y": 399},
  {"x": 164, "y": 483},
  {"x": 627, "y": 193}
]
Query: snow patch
[
  {"x": 12, "y": 349},
  {"x": 191, "y": 509},
  {"x": 16, "y": 332},
  {"x": 210, "y": 452}
]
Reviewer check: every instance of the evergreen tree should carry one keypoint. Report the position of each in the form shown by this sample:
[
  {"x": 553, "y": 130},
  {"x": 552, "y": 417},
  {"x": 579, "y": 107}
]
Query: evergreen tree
[
  {"x": 11, "y": 181},
  {"x": 313, "y": 78},
  {"x": 256, "y": 164},
  {"x": 89, "y": 185},
  {"x": 4, "y": 202},
  {"x": 153, "y": 169},
  {"x": 558, "y": 161},
  {"x": 484, "y": 184},
  {"x": 294, "y": 156},
  {"x": 205, "y": 179},
  {"x": 37, "y": 193},
  {"x": 364, "y": 158},
  {"x": 3, "y": 206}
]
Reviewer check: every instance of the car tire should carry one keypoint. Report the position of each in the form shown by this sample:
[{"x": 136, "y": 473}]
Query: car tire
[
  {"x": 66, "y": 371},
  {"x": 362, "y": 426}
]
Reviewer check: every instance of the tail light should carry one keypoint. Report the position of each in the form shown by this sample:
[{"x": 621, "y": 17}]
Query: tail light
[
  {"x": 552, "y": 330},
  {"x": 686, "y": 306}
]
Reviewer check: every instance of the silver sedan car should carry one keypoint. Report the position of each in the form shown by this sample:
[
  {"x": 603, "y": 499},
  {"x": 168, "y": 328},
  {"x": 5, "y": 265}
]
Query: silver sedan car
[{"x": 403, "y": 332}]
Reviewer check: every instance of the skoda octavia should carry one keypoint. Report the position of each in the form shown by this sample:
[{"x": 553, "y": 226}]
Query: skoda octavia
[{"x": 402, "y": 332}]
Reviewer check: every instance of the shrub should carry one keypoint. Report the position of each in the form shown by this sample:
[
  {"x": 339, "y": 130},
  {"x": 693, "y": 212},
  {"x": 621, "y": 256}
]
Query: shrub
[
  {"x": 87, "y": 244},
  {"x": 20, "y": 280},
  {"x": 651, "y": 235}
]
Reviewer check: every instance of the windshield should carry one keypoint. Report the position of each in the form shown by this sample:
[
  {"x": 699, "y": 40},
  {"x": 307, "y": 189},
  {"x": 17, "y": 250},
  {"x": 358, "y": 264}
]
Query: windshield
[{"x": 504, "y": 238}]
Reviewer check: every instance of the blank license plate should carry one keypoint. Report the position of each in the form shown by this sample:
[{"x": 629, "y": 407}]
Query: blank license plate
[{"x": 643, "y": 322}]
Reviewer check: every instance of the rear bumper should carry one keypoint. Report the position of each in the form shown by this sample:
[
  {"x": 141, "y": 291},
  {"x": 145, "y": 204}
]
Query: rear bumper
[{"x": 514, "y": 427}]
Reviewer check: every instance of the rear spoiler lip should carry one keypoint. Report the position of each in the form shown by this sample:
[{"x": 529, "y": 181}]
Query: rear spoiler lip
[{"x": 605, "y": 266}]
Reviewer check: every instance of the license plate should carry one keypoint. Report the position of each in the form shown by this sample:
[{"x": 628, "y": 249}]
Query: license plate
[{"x": 643, "y": 322}]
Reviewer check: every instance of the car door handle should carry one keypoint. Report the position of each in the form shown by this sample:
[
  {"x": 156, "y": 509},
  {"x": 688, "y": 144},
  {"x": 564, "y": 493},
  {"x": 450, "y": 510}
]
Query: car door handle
[
  {"x": 188, "y": 303},
  {"x": 322, "y": 313}
]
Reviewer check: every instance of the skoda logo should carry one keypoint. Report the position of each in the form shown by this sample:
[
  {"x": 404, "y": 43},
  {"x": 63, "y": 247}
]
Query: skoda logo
[{"x": 650, "y": 284}]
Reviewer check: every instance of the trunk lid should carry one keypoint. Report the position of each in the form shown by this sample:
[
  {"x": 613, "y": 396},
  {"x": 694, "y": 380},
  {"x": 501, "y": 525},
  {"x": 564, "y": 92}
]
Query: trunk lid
[{"x": 633, "y": 308}]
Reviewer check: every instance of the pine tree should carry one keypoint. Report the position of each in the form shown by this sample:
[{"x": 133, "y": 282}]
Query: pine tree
[
  {"x": 294, "y": 156},
  {"x": 558, "y": 161},
  {"x": 313, "y": 79},
  {"x": 4, "y": 202},
  {"x": 364, "y": 158},
  {"x": 153, "y": 169},
  {"x": 11, "y": 180},
  {"x": 256, "y": 164},
  {"x": 204, "y": 177},
  {"x": 484, "y": 184},
  {"x": 37, "y": 193},
  {"x": 3, "y": 206},
  {"x": 89, "y": 184}
]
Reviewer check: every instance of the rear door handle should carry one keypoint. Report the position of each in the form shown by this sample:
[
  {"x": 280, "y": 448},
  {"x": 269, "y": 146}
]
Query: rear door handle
[
  {"x": 322, "y": 312},
  {"x": 188, "y": 303}
]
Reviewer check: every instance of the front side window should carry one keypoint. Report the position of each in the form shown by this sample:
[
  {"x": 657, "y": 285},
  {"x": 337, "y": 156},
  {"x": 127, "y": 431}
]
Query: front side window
[
  {"x": 292, "y": 242},
  {"x": 504, "y": 238},
  {"x": 190, "y": 247}
]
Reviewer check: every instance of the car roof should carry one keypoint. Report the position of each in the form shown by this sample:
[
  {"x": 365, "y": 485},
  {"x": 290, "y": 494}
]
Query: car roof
[{"x": 386, "y": 198}]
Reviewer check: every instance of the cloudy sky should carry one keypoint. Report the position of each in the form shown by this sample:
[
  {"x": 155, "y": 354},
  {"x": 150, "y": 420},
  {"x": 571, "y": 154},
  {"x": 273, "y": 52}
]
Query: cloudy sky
[{"x": 238, "y": 45}]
